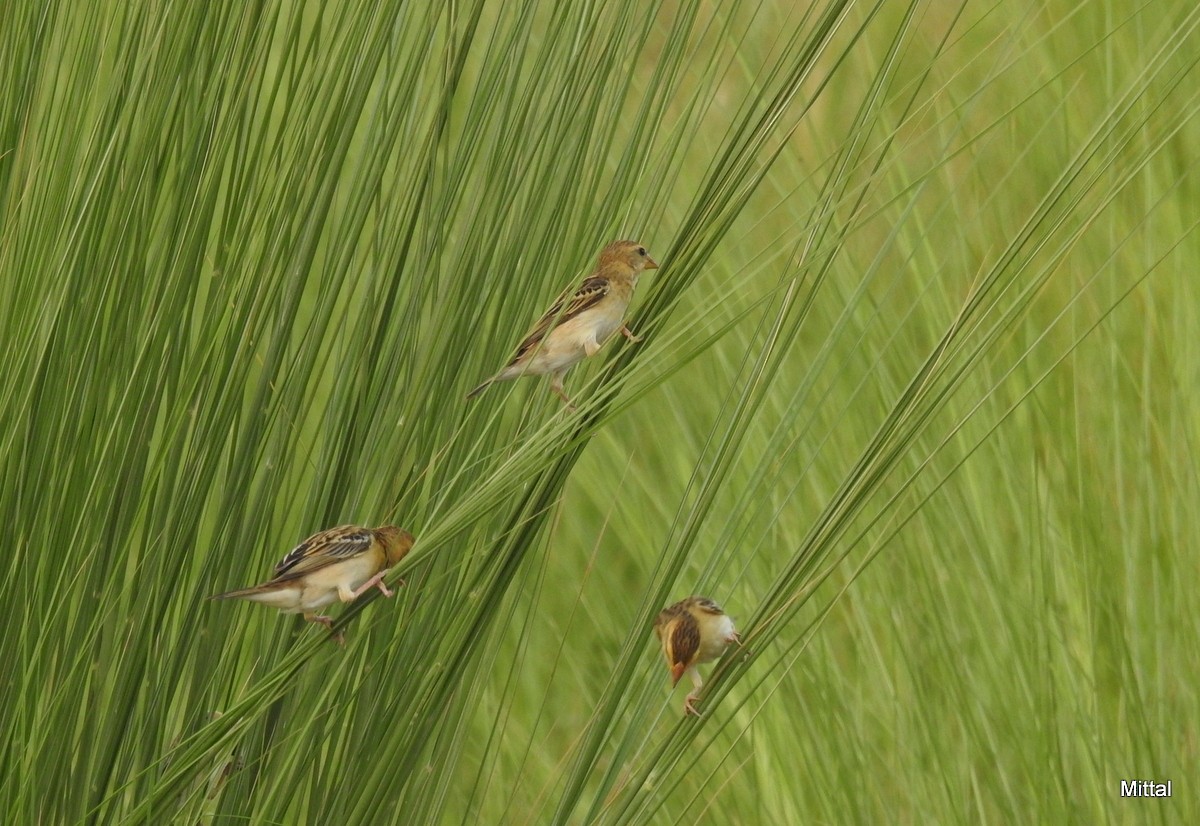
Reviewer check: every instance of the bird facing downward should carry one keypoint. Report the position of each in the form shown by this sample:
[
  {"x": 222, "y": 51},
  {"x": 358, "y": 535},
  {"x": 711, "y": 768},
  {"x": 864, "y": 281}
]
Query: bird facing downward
[
  {"x": 579, "y": 322},
  {"x": 693, "y": 631},
  {"x": 341, "y": 563}
]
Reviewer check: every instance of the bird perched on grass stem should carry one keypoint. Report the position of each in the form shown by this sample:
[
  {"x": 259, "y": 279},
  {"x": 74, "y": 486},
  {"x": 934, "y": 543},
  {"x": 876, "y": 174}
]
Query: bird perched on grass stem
[
  {"x": 341, "y": 563},
  {"x": 580, "y": 321},
  {"x": 693, "y": 631}
]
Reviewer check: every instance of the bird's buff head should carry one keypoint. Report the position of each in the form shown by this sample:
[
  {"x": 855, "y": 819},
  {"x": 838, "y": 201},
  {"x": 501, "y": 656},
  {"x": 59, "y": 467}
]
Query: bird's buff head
[
  {"x": 396, "y": 543},
  {"x": 626, "y": 255}
]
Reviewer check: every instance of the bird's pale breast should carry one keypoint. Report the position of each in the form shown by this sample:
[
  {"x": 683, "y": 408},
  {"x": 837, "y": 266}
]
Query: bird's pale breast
[
  {"x": 321, "y": 587},
  {"x": 567, "y": 344},
  {"x": 715, "y": 637}
]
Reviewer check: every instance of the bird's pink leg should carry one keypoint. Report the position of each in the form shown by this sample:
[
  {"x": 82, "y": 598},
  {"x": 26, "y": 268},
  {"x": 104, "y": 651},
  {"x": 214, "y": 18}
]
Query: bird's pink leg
[
  {"x": 374, "y": 582},
  {"x": 625, "y": 331},
  {"x": 689, "y": 704},
  {"x": 328, "y": 623},
  {"x": 556, "y": 387}
]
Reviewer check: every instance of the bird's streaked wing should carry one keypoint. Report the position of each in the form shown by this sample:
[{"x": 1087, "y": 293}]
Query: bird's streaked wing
[
  {"x": 584, "y": 297},
  {"x": 685, "y": 639},
  {"x": 325, "y": 548}
]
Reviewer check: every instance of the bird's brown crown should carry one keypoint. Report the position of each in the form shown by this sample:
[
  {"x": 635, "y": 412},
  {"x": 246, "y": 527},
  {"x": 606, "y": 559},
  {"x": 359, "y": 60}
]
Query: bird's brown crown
[{"x": 631, "y": 254}]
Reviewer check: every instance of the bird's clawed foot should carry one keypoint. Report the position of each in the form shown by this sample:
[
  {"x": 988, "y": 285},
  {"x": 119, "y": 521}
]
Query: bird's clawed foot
[
  {"x": 556, "y": 387},
  {"x": 336, "y": 636},
  {"x": 558, "y": 391},
  {"x": 625, "y": 331},
  {"x": 689, "y": 704}
]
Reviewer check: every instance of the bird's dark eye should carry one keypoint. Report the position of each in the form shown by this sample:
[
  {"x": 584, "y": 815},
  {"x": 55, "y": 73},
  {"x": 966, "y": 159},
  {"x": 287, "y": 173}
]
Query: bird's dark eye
[{"x": 642, "y": 251}]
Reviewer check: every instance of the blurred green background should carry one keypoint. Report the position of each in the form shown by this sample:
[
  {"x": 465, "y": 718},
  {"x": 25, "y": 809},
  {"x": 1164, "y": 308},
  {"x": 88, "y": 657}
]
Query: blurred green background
[{"x": 915, "y": 403}]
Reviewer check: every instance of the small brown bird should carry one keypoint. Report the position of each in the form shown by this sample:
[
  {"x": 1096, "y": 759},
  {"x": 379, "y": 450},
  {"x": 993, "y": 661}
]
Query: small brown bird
[
  {"x": 340, "y": 563},
  {"x": 580, "y": 321},
  {"x": 693, "y": 631}
]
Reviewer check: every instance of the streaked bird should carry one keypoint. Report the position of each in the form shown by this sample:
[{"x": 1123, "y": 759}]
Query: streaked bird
[
  {"x": 341, "y": 563},
  {"x": 693, "y": 631},
  {"x": 580, "y": 321}
]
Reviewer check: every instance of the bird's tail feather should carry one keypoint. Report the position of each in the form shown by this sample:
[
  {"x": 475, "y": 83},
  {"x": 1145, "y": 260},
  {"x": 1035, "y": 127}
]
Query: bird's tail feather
[
  {"x": 240, "y": 593},
  {"x": 481, "y": 388}
]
